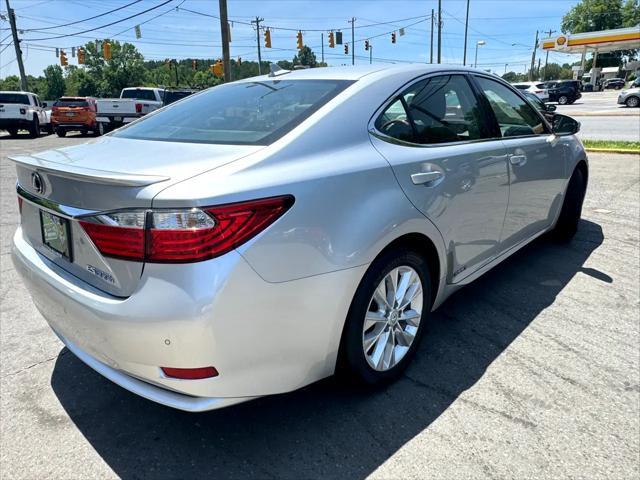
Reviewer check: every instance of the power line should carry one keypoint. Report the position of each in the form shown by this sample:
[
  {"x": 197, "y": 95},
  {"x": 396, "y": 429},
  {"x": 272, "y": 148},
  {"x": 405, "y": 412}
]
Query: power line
[
  {"x": 84, "y": 20},
  {"x": 102, "y": 26}
]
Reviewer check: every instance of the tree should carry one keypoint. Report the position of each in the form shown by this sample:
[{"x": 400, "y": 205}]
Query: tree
[
  {"x": 54, "y": 82},
  {"x": 305, "y": 57},
  {"x": 11, "y": 83},
  {"x": 124, "y": 69},
  {"x": 631, "y": 13},
  {"x": 79, "y": 82}
]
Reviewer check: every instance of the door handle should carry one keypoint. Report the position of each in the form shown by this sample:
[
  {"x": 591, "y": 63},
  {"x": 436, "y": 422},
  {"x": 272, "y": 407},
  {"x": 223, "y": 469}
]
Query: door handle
[
  {"x": 426, "y": 178},
  {"x": 518, "y": 159}
]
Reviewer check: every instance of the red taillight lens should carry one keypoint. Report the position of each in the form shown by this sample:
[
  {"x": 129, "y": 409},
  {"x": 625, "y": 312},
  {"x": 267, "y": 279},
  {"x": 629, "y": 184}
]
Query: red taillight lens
[
  {"x": 190, "y": 373},
  {"x": 138, "y": 108},
  {"x": 182, "y": 236},
  {"x": 20, "y": 205}
]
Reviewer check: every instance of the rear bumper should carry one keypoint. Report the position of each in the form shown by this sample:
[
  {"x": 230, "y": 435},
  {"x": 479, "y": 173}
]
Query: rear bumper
[
  {"x": 263, "y": 338},
  {"x": 57, "y": 125},
  {"x": 6, "y": 123}
]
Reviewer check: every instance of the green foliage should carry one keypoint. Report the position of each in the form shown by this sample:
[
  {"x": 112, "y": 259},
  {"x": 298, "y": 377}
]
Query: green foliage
[
  {"x": 12, "y": 82},
  {"x": 54, "y": 82},
  {"x": 305, "y": 57}
]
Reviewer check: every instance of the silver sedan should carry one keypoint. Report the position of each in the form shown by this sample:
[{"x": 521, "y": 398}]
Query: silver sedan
[{"x": 264, "y": 234}]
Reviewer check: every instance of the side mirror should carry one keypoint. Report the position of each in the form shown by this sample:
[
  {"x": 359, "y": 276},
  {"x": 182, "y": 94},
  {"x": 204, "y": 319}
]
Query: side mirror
[
  {"x": 44, "y": 104},
  {"x": 564, "y": 125},
  {"x": 549, "y": 107}
]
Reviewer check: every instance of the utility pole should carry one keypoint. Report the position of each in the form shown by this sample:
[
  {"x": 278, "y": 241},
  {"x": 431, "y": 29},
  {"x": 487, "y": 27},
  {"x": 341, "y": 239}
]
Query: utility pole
[
  {"x": 257, "y": 22},
  {"x": 431, "y": 59},
  {"x": 370, "y": 54},
  {"x": 224, "y": 31},
  {"x": 16, "y": 44},
  {"x": 466, "y": 28},
  {"x": 539, "y": 60},
  {"x": 322, "y": 43},
  {"x": 533, "y": 58},
  {"x": 353, "y": 40},
  {"x": 546, "y": 60},
  {"x": 439, "y": 31}
]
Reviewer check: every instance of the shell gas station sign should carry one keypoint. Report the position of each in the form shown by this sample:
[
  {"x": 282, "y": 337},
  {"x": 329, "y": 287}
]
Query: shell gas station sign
[{"x": 602, "y": 41}]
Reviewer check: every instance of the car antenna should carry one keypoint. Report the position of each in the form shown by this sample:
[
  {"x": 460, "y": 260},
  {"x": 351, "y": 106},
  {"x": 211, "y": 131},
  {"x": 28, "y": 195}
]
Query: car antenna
[{"x": 276, "y": 70}]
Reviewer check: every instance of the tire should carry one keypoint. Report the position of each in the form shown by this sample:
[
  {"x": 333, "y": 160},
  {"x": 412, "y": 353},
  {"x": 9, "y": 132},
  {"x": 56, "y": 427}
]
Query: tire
[
  {"x": 34, "y": 128},
  {"x": 563, "y": 100},
  {"x": 49, "y": 129},
  {"x": 356, "y": 361},
  {"x": 61, "y": 133},
  {"x": 100, "y": 130},
  {"x": 632, "y": 102},
  {"x": 13, "y": 132},
  {"x": 571, "y": 212}
]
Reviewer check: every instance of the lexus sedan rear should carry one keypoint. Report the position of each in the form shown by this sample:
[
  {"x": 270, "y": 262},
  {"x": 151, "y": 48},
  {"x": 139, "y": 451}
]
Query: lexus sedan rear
[{"x": 261, "y": 235}]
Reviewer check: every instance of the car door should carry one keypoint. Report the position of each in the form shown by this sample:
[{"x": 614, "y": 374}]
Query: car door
[
  {"x": 536, "y": 162},
  {"x": 42, "y": 117},
  {"x": 433, "y": 134}
]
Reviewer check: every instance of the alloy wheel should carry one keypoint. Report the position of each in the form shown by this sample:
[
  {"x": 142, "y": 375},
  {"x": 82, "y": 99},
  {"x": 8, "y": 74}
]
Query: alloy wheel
[{"x": 392, "y": 319}]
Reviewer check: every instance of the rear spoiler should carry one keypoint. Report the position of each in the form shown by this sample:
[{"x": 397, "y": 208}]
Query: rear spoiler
[{"x": 104, "y": 177}]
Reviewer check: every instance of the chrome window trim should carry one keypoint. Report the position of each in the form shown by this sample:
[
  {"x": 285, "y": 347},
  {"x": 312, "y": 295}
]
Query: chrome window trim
[
  {"x": 378, "y": 134},
  {"x": 51, "y": 206}
]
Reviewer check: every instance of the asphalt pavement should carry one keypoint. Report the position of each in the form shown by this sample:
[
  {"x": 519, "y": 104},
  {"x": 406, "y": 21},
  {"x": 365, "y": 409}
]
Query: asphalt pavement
[
  {"x": 623, "y": 127},
  {"x": 533, "y": 371}
]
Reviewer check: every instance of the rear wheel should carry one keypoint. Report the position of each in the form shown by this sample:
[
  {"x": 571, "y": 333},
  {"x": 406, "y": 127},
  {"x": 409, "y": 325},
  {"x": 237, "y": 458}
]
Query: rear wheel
[
  {"x": 632, "y": 102},
  {"x": 60, "y": 132},
  {"x": 567, "y": 224},
  {"x": 386, "y": 318},
  {"x": 100, "y": 130},
  {"x": 563, "y": 100},
  {"x": 34, "y": 129}
]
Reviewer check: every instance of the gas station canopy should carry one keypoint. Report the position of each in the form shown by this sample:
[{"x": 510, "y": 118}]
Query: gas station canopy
[{"x": 602, "y": 41}]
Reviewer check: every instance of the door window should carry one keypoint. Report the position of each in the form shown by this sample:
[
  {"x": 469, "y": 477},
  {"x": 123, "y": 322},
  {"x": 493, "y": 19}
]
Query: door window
[
  {"x": 439, "y": 109},
  {"x": 515, "y": 117}
]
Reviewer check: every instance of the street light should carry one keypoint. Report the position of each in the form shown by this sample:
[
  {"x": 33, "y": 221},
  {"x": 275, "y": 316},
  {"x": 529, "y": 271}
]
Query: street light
[
  {"x": 505, "y": 68},
  {"x": 478, "y": 44}
]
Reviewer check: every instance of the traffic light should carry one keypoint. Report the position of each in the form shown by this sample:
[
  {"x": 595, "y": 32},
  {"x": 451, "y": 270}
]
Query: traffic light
[
  {"x": 267, "y": 38},
  {"x": 63, "y": 58},
  {"x": 338, "y": 38},
  {"x": 194, "y": 65},
  {"x": 217, "y": 69},
  {"x": 366, "y": 44},
  {"x": 80, "y": 56},
  {"x": 332, "y": 42},
  {"x": 346, "y": 48},
  {"x": 299, "y": 36},
  {"x": 106, "y": 50},
  {"x": 393, "y": 37}
]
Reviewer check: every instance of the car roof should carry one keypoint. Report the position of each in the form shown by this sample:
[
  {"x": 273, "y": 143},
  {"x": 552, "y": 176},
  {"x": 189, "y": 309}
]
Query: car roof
[{"x": 17, "y": 91}]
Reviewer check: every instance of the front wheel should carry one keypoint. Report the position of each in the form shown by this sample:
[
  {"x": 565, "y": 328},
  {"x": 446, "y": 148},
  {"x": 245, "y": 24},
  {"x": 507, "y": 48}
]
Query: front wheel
[
  {"x": 61, "y": 133},
  {"x": 632, "y": 102},
  {"x": 386, "y": 318},
  {"x": 567, "y": 224},
  {"x": 563, "y": 100}
]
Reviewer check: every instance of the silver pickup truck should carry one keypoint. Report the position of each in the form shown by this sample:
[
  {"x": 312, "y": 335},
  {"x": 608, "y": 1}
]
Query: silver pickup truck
[{"x": 133, "y": 103}]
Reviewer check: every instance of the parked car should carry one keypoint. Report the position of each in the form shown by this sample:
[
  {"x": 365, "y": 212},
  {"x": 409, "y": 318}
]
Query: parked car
[
  {"x": 255, "y": 237},
  {"x": 546, "y": 109},
  {"x": 565, "y": 92},
  {"x": 133, "y": 103},
  {"x": 174, "y": 94},
  {"x": 630, "y": 98},
  {"x": 613, "y": 83},
  {"x": 23, "y": 111},
  {"x": 75, "y": 114},
  {"x": 635, "y": 83},
  {"x": 537, "y": 88}
]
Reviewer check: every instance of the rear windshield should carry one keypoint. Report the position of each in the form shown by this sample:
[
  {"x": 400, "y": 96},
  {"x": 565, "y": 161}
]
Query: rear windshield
[
  {"x": 138, "y": 94},
  {"x": 248, "y": 113},
  {"x": 170, "y": 97},
  {"x": 14, "y": 98},
  {"x": 522, "y": 87},
  {"x": 71, "y": 102}
]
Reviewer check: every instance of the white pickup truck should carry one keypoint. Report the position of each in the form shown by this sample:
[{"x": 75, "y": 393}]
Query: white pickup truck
[
  {"x": 133, "y": 103},
  {"x": 23, "y": 111}
]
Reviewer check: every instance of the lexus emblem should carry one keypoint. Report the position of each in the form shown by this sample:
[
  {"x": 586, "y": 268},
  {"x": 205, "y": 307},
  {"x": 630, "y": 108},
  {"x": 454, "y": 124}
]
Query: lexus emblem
[{"x": 37, "y": 182}]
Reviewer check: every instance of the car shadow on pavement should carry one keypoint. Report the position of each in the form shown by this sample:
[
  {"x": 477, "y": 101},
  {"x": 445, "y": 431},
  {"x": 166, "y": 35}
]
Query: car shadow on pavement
[{"x": 329, "y": 430}]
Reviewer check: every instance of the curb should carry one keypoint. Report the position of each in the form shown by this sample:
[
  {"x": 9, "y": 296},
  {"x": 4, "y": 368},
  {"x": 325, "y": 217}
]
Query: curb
[{"x": 611, "y": 150}]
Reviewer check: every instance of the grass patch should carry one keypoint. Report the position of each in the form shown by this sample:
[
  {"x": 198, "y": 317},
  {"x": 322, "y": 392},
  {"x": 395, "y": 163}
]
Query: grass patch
[{"x": 613, "y": 145}]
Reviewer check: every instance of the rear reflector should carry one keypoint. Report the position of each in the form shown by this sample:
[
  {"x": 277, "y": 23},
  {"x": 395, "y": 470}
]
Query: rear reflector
[
  {"x": 182, "y": 236},
  {"x": 190, "y": 373}
]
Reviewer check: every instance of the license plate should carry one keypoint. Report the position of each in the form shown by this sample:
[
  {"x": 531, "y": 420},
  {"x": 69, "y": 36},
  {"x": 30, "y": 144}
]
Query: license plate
[
  {"x": 56, "y": 233},
  {"x": 71, "y": 114},
  {"x": 117, "y": 119}
]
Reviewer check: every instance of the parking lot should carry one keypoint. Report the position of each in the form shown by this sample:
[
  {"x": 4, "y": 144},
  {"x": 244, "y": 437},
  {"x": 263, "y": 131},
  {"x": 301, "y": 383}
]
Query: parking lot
[{"x": 532, "y": 371}]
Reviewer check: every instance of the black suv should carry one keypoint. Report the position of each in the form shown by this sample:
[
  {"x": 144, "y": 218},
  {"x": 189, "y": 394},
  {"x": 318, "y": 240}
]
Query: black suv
[
  {"x": 565, "y": 92},
  {"x": 617, "y": 83}
]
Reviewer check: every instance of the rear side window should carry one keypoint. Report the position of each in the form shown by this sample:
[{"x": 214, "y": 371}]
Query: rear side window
[
  {"x": 247, "y": 113},
  {"x": 515, "y": 116},
  {"x": 18, "y": 98},
  {"x": 440, "y": 109},
  {"x": 138, "y": 94}
]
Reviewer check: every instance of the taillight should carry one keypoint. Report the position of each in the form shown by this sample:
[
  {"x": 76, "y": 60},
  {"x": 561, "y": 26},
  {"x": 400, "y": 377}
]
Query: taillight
[
  {"x": 182, "y": 235},
  {"x": 190, "y": 373},
  {"x": 138, "y": 108},
  {"x": 539, "y": 91},
  {"x": 20, "y": 205},
  {"x": 55, "y": 109}
]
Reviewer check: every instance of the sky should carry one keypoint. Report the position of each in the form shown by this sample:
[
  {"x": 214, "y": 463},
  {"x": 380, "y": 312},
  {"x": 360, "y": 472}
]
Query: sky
[{"x": 181, "y": 29}]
